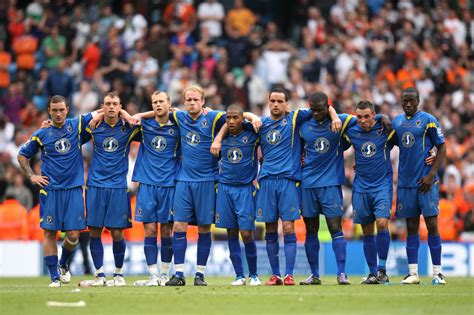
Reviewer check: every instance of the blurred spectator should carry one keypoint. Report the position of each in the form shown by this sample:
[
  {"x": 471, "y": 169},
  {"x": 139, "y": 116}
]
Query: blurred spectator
[
  {"x": 5, "y": 61},
  {"x": 59, "y": 82},
  {"x": 18, "y": 190},
  {"x": 211, "y": 15},
  {"x": 24, "y": 48},
  {"x": 134, "y": 25},
  {"x": 13, "y": 102},
  {"x": 54, "y": 47},
  {"x": 240, "y": 18},
  {"x": 85, "y": 100},
  {"x": 13, "y": 220},
  {"x": 91, "y": 58},
  {"x": 178, "y": 13},
  {"x": 145, "y": 70}
]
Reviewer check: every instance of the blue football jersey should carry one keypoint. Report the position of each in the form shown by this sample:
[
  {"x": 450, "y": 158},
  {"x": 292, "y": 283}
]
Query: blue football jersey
[
  {"x": 158, "y": 158},
  {"x": 416, "y": 136},
  {"x": 239, "y": 163},
  {"x": 281, "y": 145},
  {"x": 61, "y": 153},
  {"x": 109, "y": 165},
  {"x": 372, "y": 157},
  {"x": 324, "y": 152},
  {"x": 198, "y": 164}
]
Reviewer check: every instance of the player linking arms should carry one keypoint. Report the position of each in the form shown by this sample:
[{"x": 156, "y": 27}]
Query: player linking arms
[
  {"x": 236, "y": 193},
  {"x": 156, "y": 167},
  {"x": 61, "y": 180},
  {"x": 372, "y": 189}
]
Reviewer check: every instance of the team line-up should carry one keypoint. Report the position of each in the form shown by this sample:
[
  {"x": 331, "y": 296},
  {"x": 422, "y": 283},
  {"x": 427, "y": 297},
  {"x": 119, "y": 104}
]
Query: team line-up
[{"x": 201, "y": 166}]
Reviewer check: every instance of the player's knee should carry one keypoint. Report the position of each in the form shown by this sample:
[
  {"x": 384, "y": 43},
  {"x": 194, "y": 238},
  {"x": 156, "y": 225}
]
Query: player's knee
[
  {"x": 72, "y": 237},
  {"x": 432, "y": 225},
  {"x": 204, "y": 229},
  {"x": 150, "y": 230},
  {"x": 271, "y": 227},
  {"x": 232, "y": 233},
  {"x": 311, "y": 229},
  {"x": 180, "y": 226},
  {"x": 247, "y": 236},
  {"x": 334, "y": 225},
  {"x": 50, "y": 235},
  {"x": 412, "y": 226},
  {"x": 117, "y": 234},
  {"x": 166, "y": 230},
  {"x": 288, "y": 227},
  {"x": 312, "y": 225},
  {"x": 382, "y": 224}
]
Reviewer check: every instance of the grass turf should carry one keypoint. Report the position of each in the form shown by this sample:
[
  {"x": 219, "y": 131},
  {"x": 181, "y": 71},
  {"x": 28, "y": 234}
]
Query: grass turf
[{"x": 29, "y": 296}]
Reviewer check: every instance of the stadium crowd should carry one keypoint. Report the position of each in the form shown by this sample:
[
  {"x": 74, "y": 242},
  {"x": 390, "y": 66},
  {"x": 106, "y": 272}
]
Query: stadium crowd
[{"x": 351, "y": 49}]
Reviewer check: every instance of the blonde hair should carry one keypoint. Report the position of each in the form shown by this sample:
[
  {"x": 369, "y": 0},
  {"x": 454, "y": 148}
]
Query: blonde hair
[
  {"x": 158, "y": 92},
  {"x": 194, "y": 88}
]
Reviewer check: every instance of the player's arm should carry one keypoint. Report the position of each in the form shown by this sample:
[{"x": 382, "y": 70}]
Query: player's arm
[
  {"x": 254, "y": 120},
  {"x": 28, "y": 150},
  {"x": 427, "y": 181},
  {"x": 336, "y": 123},
  {"x": 217, "y": 143}
]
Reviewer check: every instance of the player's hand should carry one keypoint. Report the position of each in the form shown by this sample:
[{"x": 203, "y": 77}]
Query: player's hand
[
  {"x": 336, "y": 125},
  {"x": 46, "y": 124},
  {"x": 386, "y": 123},
  {"x": 430, "y": 159},
  {"x": 133, "y": 120},
  {"x": 95, "y": 122},
  {"x": 206, "y": 110},
  {"x": 426, "y": 183},
  {"x": 216, "y": 147},
  {"x": 39, "y": 180},
  {"x": 256, "y": 124}
]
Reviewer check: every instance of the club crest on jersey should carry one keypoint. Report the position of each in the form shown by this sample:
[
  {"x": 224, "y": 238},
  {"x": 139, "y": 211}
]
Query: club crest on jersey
[
  {"x": 368, "y": 149},
  {"x": 218, "y": 218},
  {"x": 139, "y": 212},
  {"x": 273, "y": 136},
  {"x": 234, "y": 155},
  {"x": 158, "y": 143},
  {"x": 321, "y": 145},
  {"x": 69, "y": 129},
  {"x": 171, "y": 131},
  {"x": 408, "y": 139},
  {"x": 204, "y": 123},
  {"x": 193, "y": 138},
  {"x": 284, "y": 122},
  {"x": 110, "y": 144},
  {"x": 418, "y": 123},
  {"x": 379, "y": 132},
  {"x": 62, "y": 145},
  {"x": 245, "y": 140},
  {"x": 259, "y": 212},
  {"x": 49, "y": 219},
  {"x": 399, "y": 207}
]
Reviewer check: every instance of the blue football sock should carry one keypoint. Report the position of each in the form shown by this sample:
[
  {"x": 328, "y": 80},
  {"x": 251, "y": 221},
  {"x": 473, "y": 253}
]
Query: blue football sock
[
  {"x": 65, "y": 254},
  {"x": 179, "y": 249},
  {"x": 434, "y": 243},
  {"x": 118, "y": 248},
  {"x": 235, "y": 255},
  {"x": 272, "y": 251},
  {"x": 383, "y": 244},
  {"x": 370, "y": 252},
  {"x": 52, "y": 264},
  {"x": 413, "y": 243},
  {"x": 290, "y": 252},
  {"x": 311, "y": 246},
  {"x": 97, "y": 252},
  {"x": 151, "y": 250},
  {"x": 166, "y": 249},
  {"x": 339, "y": 248},
  {"x": 251, "y": 255},
  {"x": 203, "y": 249}
]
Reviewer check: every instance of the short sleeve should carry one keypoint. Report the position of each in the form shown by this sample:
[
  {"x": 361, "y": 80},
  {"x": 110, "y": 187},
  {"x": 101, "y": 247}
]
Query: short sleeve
[
  {"x": 31, "y": 147},
  {"x": 434, "y": 132}
]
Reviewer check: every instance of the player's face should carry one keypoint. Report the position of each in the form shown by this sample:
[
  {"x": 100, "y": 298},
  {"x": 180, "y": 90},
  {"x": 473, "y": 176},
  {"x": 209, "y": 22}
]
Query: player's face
[
  {"x": 319, "y": 111},
  {"x": 160, "y": 104},
  {"x": 410, "y": 103},
  {"x": 58, "y": 112},
  {"x": 365, "y": 118},
  {"x": 111, "y": 107},
  {"x": 277, "y": 104},
  {"x": 234, "y": 121},
  {"x": 193, "y": 102}
]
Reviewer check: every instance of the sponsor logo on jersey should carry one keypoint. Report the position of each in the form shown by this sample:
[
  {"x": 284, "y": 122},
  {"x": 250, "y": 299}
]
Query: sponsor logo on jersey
[
  {"x": 368, "y": 149},
  {"x": 234, "y": 155},
  {"x": 321, "y": 145},
  {"x": 193, "y": 138},
  {"x": 408, "y": 140},
  {"x": 158, "y": 143},
  {"x": 62, "y": 146},
  {"x": 273, "y": 136},
  {"x": 110, "y": 144}
]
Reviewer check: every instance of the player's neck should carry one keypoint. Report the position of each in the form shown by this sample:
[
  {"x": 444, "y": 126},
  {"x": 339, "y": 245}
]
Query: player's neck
[
  {"x": 111, "y": 121},
  {"x": 58, "y": 125},
  {"x": 276, "y": 117},
  {"x": 162, "y": 120},
  {"x": 237, "y": 132},
  {"x": 195, "y": 116}
]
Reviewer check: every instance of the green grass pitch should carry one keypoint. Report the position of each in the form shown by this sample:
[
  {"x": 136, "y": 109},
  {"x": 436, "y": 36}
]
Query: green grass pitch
[{"x": 30, "y": 295}]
